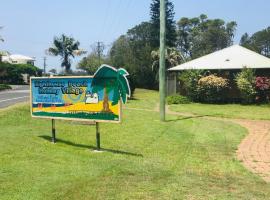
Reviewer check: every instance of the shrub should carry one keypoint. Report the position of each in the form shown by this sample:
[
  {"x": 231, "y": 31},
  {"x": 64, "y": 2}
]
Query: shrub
[
  {"x": 4, "y": 87},
  {"x": 189, "y": 83},
  {"x": 12, "y": 73},
  {"x": 262, "y": 85},
  {"x": 212, "y": 89},
  {"x": 177, "y": 99},
  {"x": 245, "y": 81}
]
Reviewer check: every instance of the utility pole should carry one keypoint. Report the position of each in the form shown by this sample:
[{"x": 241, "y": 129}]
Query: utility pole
[
  {"x": 162, "y": 60},
  {"x": 100, "y": 48},
  {"x": 44, "y": 65}
]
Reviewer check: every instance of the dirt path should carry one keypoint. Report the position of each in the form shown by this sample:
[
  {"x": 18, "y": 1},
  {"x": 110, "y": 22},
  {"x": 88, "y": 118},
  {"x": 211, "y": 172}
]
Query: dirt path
[{"x": 254, "y": 150}]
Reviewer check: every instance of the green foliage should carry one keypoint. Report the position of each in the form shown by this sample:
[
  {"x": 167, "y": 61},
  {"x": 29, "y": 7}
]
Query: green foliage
[
  {"x": 172, "y": 58},
  {"x": 133, "y": 52},
  {"x": 259, "y": 42},
  {"x": 4, "y": 87},
  {"x": 169, "y": 21},
  {"x": 212, "y": 89},
  {"x": 65, "y": 47},
  {"x": 199, "y": 36},
  {"x": 245, "y": 81},
  {"x": 177, "y": 99},
  {"x": 91, "y": 63},
  {"x": 189, "y": 82},
  {"x": 12, "y": 73}
]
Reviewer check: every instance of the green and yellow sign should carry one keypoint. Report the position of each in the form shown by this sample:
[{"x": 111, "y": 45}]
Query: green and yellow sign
[{"x": 88, "y": 98}]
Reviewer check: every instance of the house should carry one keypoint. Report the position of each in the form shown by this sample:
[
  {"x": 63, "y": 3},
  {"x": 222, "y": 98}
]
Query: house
[
  {"x": 227, "y": 62},
  {"x": 17, "y": 59}
]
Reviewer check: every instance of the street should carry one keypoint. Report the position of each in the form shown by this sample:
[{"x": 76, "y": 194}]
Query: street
[{"x": 18, "y": 94}]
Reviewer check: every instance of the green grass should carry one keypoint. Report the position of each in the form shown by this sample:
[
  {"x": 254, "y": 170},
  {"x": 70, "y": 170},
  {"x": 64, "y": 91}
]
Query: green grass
[
  {"x": 225, "y": 110},
  {"x": 183, "y": 158}
]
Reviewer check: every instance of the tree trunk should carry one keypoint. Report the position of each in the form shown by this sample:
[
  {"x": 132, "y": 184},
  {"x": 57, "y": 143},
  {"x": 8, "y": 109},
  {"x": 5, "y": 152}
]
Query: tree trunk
[{"x": 105, "y": 101}]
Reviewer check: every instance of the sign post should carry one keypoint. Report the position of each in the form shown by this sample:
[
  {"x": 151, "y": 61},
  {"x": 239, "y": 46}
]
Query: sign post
[
  {"x": 83, "y": 98},
  {"x": 98, "y": 136},
  {"x": 53, "y": 131}
]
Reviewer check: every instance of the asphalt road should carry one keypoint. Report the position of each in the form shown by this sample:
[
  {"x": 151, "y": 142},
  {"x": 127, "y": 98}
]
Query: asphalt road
[{"x": 19, "y": 93}]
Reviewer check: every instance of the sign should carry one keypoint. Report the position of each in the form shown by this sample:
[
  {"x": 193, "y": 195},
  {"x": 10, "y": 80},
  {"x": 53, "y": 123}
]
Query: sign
[{"x": 76, "y": 98}]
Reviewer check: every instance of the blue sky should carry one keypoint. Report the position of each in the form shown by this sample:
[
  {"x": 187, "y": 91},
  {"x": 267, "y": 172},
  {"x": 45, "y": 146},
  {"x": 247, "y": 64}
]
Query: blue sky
[{"x": 30, "y": 25}]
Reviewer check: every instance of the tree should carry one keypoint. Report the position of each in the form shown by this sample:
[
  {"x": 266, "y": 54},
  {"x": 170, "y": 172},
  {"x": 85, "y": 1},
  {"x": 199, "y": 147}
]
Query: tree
[
  {"x": 110, "y": 79},
  {"x": 133, "y": 51},
  {"x": 200, "y": 36},
  {"x": 93, "y": 61},
  {"x": 259, "y": 42},
  {"x": 1, "y": 40},
  {"x": 65, "y": 47},
  {"x": 53, "y": 71},
  {"x": 172, "y": 58},
  {"x": 155, "y": 23}
]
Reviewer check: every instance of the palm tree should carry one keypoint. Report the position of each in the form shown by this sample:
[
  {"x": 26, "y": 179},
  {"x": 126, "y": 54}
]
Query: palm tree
[
  {"x": 172, "y": 58},
  {"x": 109, "y": 79},
  {"x": 2, "y": 40},
  {"x": 65, "y": 47}
]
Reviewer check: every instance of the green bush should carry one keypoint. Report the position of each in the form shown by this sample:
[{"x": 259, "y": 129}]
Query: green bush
[
  {"x": 189, "y": 82},
  {"x": 212, "y": 89},
  {"x": 12, "y": 73},
  {"x": 245, "y": 81},
  {"x": 177, "y": 99},
  {"x": 4, "y": 87}
]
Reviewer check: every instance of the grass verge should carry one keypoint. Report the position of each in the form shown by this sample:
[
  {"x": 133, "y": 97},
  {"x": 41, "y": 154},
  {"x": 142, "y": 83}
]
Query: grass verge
[
  {"x": 260, "y": 112},
  {"x": 182, "y": 158}
]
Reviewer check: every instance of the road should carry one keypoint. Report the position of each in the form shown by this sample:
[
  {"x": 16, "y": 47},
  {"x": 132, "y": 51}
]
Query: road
[{"x": 16, "y": 95}]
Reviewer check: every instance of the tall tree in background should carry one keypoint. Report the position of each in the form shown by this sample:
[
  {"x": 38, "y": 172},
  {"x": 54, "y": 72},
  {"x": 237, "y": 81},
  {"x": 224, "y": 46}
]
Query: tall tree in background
[
  {"x": 199, "y": 36},
  {"x": 92, "y": 62},
  {"x": 65, "y": 47},
  {"x": 155, "y": 23},
  {"x": 259, "y": 42},
  {"x": 133, "y": 52}
]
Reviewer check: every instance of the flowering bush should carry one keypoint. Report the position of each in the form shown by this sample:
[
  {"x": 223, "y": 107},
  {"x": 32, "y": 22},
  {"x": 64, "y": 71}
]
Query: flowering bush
[
  {"x": 262, "y": 85},
  {"x": 212, "y": 88},
  {"x": 189, "y": 83},
  {"x": 245, "y": 81}
]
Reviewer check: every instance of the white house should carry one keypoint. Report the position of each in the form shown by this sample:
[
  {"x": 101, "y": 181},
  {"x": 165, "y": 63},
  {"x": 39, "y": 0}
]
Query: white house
[
  {"x": 17, "y": 59},
  {"x": 228, "y": 59}
]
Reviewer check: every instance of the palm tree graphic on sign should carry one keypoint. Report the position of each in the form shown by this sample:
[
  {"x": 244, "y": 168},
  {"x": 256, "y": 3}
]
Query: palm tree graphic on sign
[{"x": 109, "y": 79}]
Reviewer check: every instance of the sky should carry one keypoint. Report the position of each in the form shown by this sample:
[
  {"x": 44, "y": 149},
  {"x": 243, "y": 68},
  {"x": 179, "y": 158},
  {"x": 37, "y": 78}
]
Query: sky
[{"x": 29, "y": 26}]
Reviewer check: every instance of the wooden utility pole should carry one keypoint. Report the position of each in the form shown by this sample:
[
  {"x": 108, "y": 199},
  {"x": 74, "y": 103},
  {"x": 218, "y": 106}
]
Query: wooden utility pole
[
  {"x": 44, "y": 65},
  {"x": 162, "y": 60}
]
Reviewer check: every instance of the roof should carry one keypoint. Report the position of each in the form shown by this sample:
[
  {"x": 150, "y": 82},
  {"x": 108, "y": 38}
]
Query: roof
[
  {"x": 233, "y": 57},
  {"x": 20, "y": 57}
]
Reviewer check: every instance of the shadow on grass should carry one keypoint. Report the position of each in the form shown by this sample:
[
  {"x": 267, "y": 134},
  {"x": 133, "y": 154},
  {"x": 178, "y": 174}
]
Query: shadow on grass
[
  {"x": 179, "y": 118},
  {"x": 48, "y": 138}
]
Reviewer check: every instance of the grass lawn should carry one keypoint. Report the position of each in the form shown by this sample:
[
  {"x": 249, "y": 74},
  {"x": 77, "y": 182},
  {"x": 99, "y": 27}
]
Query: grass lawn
[
  {"x": 225, "y": 110},
  {"x": 143, "y": 158}
]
